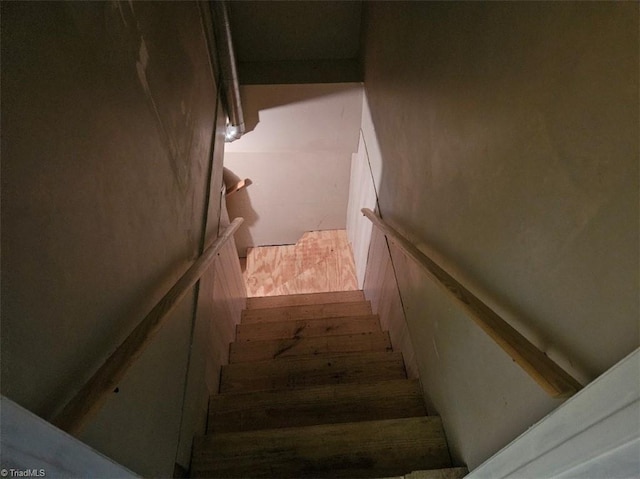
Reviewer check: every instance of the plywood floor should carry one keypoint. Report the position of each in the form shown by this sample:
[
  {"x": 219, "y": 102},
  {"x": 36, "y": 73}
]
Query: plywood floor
[{"x": 321, "y": 261}]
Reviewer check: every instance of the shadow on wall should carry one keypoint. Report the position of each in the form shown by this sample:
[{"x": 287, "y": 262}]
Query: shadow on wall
[
  {"x": 298, "y": 156},
  {"x": 239, "y": 204},
  {"x": 253, "y": 104}
]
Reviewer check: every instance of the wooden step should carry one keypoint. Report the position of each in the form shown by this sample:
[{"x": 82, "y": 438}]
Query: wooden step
[
  {"x": 306, "y": 328},
  {"x": 292, "y": 373},
  {"x": 316, "y": 405},
  {"x": 354, "y": 450},
  {"x": 449, "y": 473},
  {"x": 304, "y": 299},
  {"x": 244, "y": 351},
  {"x": 309, "y": 311}
]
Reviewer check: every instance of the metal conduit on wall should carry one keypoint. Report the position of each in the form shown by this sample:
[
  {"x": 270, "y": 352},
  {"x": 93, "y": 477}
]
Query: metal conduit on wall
[{"x": 228, "y": 71}]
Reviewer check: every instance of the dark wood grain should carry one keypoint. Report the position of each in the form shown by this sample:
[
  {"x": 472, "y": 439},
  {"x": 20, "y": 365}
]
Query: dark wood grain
[
  {"x": 330, "y": 404},
  {"x": 307, "y": 311},
  {"x": 244, "y": 351},
  {"x": 349, "y": 450},
  {"x": 294, "y": 373}
]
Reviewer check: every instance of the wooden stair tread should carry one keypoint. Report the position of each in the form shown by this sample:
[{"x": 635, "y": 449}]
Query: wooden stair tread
[
  {"x": 307, "y": 328},
  {"x": 264, "y": 302},
  {"x": 295, "y": 347},
  {"x": 449, "y": 473},
  {"x": 308, "y": 311},
  {"x": 358, "y": 449},
  {"x": 316, "y": 405},
  {"x": 314, "y": 390},
  {"x": 288, "y": 373}
]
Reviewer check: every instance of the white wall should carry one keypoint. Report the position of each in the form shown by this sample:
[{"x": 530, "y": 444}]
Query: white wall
[
  {"x": 297, "y": 154},
  {"x": 312, "y": 117},
  {"x": 376, "y": 277},
  {"x": 593, "y": 435},
  {"x": 366, "y": 171},
  {"x": 362, "y": 194},
  {"x": 28, "y": 442}
]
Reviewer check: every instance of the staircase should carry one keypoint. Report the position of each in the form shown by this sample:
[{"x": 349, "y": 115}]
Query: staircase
[{"x": 314, "y": 389}]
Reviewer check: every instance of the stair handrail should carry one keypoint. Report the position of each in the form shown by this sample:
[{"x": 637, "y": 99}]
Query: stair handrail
[
  {"x": 549, "y": 375},
  {"x": 90, "y": 398}
]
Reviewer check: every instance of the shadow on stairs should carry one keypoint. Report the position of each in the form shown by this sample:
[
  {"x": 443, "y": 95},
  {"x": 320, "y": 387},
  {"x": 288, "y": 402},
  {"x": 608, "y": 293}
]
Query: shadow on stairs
[{"x": 314, "y": 389}]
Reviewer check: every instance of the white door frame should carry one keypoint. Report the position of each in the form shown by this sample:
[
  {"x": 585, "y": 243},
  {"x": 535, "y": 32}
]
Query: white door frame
[{"x": 595, "y": 434}]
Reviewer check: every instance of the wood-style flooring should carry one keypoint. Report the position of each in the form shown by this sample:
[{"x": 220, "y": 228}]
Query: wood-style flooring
[{"x": 322, "y": 261}]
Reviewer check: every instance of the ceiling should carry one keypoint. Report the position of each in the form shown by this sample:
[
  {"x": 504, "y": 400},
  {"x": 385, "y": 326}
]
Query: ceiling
[{"x": 296, "y": 41}]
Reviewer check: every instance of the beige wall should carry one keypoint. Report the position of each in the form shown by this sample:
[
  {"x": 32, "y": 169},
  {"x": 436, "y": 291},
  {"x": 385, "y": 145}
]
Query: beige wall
[
  {"x": 509, "y": 142},
  {"x": 297, "y": 152},
  {"x": 107, "y": 125}
]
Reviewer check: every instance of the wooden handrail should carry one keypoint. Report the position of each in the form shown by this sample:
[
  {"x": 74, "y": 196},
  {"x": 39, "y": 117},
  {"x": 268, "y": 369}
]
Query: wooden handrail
[
  {"x": 551, "y": 377},
  {"x": 96, "y": 390},
  {"x": 239, "y": 186}
]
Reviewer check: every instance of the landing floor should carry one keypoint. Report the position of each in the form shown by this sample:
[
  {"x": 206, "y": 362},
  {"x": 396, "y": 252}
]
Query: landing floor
[{"x": 321, "y": 261}]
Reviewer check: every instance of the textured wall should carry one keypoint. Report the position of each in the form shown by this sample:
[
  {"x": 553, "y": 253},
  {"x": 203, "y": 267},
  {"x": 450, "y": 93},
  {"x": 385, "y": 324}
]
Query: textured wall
[
  {"x": 107, "y": 124},
  {"x": 509, "y": 139}
]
